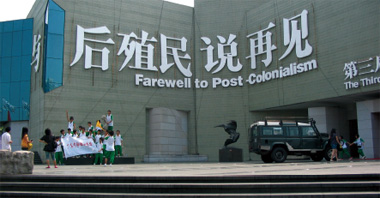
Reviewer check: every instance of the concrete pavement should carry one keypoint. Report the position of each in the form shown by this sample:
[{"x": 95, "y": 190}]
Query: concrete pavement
[{"x": 290, "y": 167}]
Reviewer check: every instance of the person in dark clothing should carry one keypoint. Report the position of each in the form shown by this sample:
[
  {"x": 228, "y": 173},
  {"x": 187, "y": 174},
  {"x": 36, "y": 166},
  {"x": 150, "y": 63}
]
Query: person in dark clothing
[
  {"x": 334, "y": 141},
  {"x": 50, "y": 145}
]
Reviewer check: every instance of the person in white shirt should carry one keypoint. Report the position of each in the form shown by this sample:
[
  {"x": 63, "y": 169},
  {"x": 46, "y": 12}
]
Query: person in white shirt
[
  {"x": 70, "y": 121},
  {"x": 98, "y": 136},
  {"x": 6, "y": 139},
  {"x": 118, "y": 144},
  {"x": 110, "y": 148},
  {"x": 99, "y": 154},
  {"x": 109, "y": 120}
]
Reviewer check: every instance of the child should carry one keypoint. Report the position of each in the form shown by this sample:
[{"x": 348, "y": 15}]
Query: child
[
  {"x": 69, "y": 132},
  {"x": 98, "y": 136},
  {"x": 360, "y": 143},
  {"x": 118, "y": 144},
  {"x": 70, "y": 121},
  {"x": 75, "y": 133},
  {"x": 82, "y": 133},
  {"x": 58, "y": 151},
  {"x": 98, "y": 125},
  {"x": 90, "y": 127},
  {"x": 99, "y": 154},
  {"x": 109, "y": 120},
  {"x": 343, "y": 144},
  {"x": 110, "y": 148}
]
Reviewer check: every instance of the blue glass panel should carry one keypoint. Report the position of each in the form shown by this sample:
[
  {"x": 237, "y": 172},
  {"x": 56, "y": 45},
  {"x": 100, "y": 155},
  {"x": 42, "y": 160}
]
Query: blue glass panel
[
  {"x": 15, "y": 69},
  {"x": 1, "y": 43},
  {"x": 27, "y": 42},
  {"x": 1, "y": 27},
  {"x": 15, "y": 99},
  {"x": 16, "y": 43},
  {"x": 6, "y": 63},
  {"x": 8, "y": 26},
  {"x": 17, "y": 25},
  {"x": 54, "y": 71},
  {"x": 54, "y": 46},
  {"x": 25, "y": 68},
  {"x": 6, "y": 45},
  {"x": 56, "y": 22},
  {"x": 28, "y": 24},
  {"x": 5, "y": 87}
]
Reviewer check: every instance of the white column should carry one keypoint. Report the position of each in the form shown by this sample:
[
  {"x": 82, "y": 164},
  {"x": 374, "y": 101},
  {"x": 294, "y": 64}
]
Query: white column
[{"x": 367, "y": 125}]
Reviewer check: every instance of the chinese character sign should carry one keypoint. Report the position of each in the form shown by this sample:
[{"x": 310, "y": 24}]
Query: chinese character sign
[
  {"x": 89, "y": 50},
  {"x": 227, "y": 52},
  {"x": 361, "y": 73},
  {"x": 77, "y": 146},
  {"x": 138, "y": 47},
  {"x": 36, "y": 52}
]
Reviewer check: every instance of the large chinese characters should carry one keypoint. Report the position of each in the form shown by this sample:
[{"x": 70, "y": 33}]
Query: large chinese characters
[
  {"x": 139, "y": 51},
  {"x": 141, "y": 48},
  {"x": 362, "y": 73}
]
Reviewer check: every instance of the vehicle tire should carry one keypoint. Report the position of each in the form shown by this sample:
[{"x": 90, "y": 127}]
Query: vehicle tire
[
  {"x": 279, "y": 154},
  {"x": 317, "y": 157},
  {"x": 266, "y": 158},
  {"x": 328, "y": 152}
]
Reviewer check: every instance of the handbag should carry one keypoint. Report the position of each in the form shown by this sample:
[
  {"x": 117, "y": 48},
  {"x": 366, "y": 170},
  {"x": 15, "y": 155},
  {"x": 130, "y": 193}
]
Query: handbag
[{"x": 30, "y": 145}]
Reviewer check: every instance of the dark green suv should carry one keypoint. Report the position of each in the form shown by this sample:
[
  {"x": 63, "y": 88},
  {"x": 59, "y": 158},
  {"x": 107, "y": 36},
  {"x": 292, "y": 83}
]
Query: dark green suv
[{"x": 275, "y": 139}]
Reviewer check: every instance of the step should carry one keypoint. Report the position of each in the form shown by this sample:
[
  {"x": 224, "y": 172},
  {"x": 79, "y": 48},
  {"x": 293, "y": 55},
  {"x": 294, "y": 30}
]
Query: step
[
  {"x": 369, "y": 194},
  {"x": 238, "y": 188},
  {"x": 190, "y": 179}
]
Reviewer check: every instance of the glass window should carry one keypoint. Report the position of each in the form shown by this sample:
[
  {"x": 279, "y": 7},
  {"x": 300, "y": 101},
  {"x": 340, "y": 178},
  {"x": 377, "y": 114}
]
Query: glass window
[
  {"x": 273, "y": 131},
  {"x": 293, "y": 131},
  {"x": 308, "y": 131}
]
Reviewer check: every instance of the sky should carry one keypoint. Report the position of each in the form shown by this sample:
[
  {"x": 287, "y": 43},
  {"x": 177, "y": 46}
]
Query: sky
[{"x": 19, "y": 9}]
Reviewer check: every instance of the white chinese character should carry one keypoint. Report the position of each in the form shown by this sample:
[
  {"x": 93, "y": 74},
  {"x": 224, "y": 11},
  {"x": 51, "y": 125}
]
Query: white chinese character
[
  {"x": 367, "y": 67},
  {"x": 223, "y": 55},
  {"x": 88, "y": 56},
  {"x": 173, "y": 51},
  {"x": 143, "y": 52},
  {"x": 36, "y": 52},
  {"x": 210, "y": 50},
  {"x": 293, "y": 36},
  {"x": 350, "y": 70},
  {"x": 262, "y": 44}
]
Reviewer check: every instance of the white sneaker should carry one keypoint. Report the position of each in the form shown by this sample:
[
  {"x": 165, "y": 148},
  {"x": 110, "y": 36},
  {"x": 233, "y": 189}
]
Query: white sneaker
[
  {"x": 94, "y": 164},
  {"x": 105, "y": 164},
  {"x": 110, "y": 164}
]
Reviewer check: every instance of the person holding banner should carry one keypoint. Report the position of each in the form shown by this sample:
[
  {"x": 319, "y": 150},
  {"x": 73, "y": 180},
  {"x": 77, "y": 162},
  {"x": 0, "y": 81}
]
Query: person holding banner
[
  {"x": 110, "y": 148},
  {"x": 99, "y": 154}
]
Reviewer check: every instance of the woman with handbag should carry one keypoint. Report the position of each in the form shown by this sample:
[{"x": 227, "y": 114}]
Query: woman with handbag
[{"x": 26, "y": 144}]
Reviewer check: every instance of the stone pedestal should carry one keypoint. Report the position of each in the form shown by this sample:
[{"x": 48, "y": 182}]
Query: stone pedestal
[
  {"x": 230, "y": 155},
  {"x": 18, "y": 162}
]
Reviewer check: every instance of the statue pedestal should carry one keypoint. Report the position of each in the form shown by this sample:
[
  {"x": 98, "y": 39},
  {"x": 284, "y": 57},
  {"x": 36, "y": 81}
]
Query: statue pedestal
[{"x": 230, "y": 155}]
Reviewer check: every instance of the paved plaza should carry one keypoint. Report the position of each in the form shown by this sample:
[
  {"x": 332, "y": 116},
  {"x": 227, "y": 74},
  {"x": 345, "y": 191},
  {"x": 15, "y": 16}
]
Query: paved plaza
[{"x": 290, "y": 167}]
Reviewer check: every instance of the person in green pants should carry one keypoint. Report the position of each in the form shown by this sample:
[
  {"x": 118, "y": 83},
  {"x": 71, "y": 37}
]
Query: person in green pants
[
  {"x": 343, "y": 144},
  {"x": 99, "y": 154},
  {"x": 110, "y": 148},
  {"x": 360, "y": 143}
]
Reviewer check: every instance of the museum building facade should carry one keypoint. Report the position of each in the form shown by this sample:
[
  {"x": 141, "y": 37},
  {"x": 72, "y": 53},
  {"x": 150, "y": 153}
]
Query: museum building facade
[{"x": 170, "y": 73}]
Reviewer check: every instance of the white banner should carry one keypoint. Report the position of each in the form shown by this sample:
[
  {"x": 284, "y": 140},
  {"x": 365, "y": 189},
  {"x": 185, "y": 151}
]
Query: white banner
[{"x": 77, "y": 146}]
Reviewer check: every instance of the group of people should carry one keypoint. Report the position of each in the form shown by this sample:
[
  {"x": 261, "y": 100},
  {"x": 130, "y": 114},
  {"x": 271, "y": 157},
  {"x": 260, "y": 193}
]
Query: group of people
[
  {"x": 108, "y": 145},
  {"x": 339, "y": 143}
]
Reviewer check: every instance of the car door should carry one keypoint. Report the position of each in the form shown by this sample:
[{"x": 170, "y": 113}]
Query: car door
[
  {"x": 310, "y": 139},
  {"x": 293, "y": 137}
]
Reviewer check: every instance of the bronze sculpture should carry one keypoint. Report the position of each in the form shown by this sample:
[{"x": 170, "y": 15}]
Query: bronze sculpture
[{"x": 230, "y": 128}]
